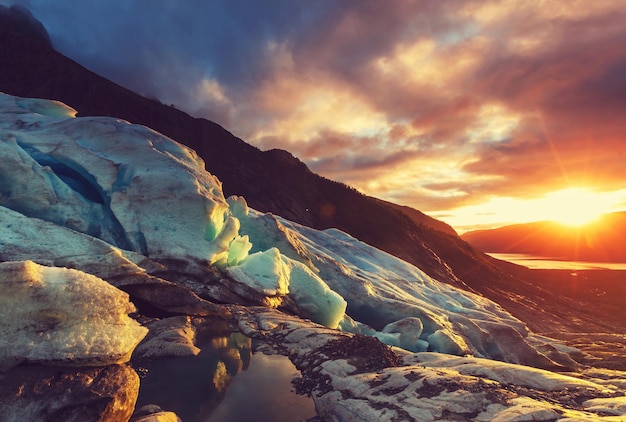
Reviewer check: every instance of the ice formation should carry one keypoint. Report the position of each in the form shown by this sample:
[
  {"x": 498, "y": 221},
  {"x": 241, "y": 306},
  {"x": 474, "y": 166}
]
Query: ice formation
[
  {"x": 393, "y": 300},
  {"x": 61, "y": 316},
  {"x": 146, "y": 195},
  {"x": 119, "y": 182},
  {"x": 142, "y": 192}
]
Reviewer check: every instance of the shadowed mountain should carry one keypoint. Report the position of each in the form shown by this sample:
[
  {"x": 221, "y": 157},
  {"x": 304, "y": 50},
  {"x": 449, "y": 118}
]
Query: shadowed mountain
[
  {"x": 20, "y": 21},
  {"x": 275, "y": 181},
  {"x": 599, "y": 241}
]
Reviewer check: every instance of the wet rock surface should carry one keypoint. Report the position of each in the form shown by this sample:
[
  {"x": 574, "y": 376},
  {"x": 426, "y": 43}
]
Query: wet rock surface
[
  {"x": 602, "y": 350},
  {"x": 174, "y": 336},
  {"x": 41, "y": 393},
  {"x": 153, "y": 413}
]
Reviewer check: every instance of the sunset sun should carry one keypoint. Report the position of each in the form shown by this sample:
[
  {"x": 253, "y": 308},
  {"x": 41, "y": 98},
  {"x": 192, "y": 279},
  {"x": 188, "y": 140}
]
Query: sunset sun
[{"x": 575, "y": 206}]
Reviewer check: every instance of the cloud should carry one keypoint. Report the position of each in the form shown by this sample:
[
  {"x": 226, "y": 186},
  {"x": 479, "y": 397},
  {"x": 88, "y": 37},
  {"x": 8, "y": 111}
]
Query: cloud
[
  {"x": 434, "y": 104},
  {"x": 570, "y": 94}
]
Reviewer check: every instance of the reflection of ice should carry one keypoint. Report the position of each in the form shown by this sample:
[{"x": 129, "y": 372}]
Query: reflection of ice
[
  {"x": 255, "y": 393},
  {"x": 235, "y": 351},
  {"x": 219, "y": 342},
  {"x": 221, "y": 379},
  {"x": 193, "y": 387}
]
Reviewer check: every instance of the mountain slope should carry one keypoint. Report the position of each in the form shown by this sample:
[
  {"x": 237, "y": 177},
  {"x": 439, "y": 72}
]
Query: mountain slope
[
  {"x": 600, "y": 241},
  {"x": 274, "y": 181},
  {"x": 271, "y": 181}
]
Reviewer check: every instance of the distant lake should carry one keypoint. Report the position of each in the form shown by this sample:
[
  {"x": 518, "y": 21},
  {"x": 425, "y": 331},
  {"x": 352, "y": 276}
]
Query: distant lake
[{"x": 549, "y": 263}]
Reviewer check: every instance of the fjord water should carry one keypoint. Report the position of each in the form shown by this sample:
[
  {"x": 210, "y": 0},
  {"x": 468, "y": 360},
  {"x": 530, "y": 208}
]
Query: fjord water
[
  {"x": 225, "y": 382},
  {"x": 550, "y": 263}
]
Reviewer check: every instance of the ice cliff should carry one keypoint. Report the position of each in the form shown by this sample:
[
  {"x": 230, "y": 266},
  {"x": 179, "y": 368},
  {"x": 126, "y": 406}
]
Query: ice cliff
[{"x": 148, "y": 197}]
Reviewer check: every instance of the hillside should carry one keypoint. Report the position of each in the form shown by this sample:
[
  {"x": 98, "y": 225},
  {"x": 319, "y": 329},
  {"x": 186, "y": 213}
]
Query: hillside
[
  {"x": 272, "y": 181},
  {"x": 599, "y": 241}
]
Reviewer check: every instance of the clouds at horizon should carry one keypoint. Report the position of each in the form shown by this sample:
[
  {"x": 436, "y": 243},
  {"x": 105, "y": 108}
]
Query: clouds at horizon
[{"x": 432, "y": 104}]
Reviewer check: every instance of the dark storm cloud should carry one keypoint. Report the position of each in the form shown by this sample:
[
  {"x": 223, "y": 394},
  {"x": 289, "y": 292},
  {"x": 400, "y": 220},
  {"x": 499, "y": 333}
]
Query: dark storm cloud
[{"x": 162, "y": 48}]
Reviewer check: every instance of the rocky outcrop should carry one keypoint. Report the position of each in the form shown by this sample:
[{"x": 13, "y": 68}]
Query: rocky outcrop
[
  {"x": 174, "y": 336},
  {"x": 352, "y": 377},
  {"x": 153, "y": 413}
]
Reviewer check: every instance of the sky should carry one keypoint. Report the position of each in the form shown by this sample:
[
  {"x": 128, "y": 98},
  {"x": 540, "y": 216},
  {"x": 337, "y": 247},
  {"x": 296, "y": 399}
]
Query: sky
[{"x": 480, "y": 113}]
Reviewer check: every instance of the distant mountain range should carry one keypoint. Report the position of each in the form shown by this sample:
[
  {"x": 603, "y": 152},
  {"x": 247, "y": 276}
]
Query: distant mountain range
[
  {"x": 599, "y": 241},
  {"x": 277, "y": 182}
]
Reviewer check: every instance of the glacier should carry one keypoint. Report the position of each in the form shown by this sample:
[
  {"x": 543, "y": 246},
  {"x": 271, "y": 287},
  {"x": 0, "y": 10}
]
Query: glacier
[
  {"x": 92, "y": 205},
  {"x": 146, "y": 195}
]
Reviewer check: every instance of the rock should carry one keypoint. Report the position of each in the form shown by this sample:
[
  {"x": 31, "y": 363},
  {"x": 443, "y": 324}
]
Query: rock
[
  {"x": 173, "y": 336},
  {"x": 153, "y": 413},
  {"x": 615, "y": 406},
  {"x": 353, "y": 377},
  {"x": 40, "y": 393},
  {"x": 502, "y": 372},
  {"x": 63, "y": 316}
]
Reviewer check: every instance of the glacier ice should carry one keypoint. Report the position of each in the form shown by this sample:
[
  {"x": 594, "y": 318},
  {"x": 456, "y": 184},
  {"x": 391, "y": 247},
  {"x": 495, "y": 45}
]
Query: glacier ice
[
  {"x": 61, "y": 316},
  {"x": 104, "y": 177},
  {"x": 384, "y": 293},
  {"x": 312, "y": 296},
  {"x": 148, "y": 196},
  {"x": 264, "y": 272},
  {"x": 278, "y": 277},
  {"x": 138, "y": 191}
]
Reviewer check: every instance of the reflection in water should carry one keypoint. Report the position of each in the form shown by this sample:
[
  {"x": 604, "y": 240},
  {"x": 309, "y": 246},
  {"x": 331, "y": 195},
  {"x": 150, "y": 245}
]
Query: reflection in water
[
  {"x": 221, "y": 379},
  {"x": 264, "y": 393},
  {"x": 194, "y": 387}
]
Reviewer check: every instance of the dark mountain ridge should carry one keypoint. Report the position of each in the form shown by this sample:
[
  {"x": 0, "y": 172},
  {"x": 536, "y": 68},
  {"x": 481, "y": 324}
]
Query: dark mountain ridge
[
  {"x": 20, "y": 21},
  {"x": 275, "y": 181},
  {"x": 599, "y": 241}
]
